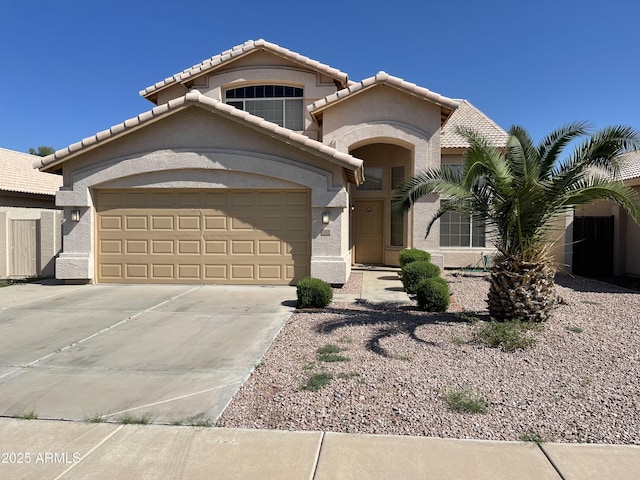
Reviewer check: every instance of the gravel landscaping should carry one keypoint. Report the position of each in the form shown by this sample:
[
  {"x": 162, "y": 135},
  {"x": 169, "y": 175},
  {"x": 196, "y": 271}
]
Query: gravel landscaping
[{"x": 397, "y": 370}]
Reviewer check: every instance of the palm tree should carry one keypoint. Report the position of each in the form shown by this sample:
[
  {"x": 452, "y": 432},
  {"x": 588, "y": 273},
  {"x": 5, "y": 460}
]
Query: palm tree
[{"x": 518, "y": 192}]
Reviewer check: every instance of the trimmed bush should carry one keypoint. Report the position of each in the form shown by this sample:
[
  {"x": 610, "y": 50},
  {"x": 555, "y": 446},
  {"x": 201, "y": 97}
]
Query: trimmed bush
[
  {"x": 410, "y": 255},
  {"x": 313, "y": 293},
  {"x": 414, "y": 272},
  {"x": 433, "y": 295}
]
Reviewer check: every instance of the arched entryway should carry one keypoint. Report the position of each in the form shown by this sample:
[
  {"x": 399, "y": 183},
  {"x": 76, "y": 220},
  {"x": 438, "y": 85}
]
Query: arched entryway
[{"x": 379, "y": 234}]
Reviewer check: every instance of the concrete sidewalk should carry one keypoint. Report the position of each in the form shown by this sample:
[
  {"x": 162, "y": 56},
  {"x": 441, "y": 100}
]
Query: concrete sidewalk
[
  {"x": 379, "y": 285},
  {"x": 39, "y": 449}
]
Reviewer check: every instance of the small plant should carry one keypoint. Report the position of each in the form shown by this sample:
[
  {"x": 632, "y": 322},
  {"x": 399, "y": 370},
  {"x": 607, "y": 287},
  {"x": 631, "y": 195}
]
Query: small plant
[
  {"x": 574, "y": 329},
  {"x": 415, "y": 272},
  {"x": 459, "y": 340},
  {"x": 509, "y": 336},
  {"x": 313, "y": 293},
  {"x": 433, "y": 295},
  {"x": 466, "y": 317},
  {"x": 590, "y": 302},
  {"x": 403, "y": 357},
  {"x": 465, "y": 400},
  {"x": 329, "y": 353},
  {"x": 316, "y": 381},
  {"x": 532, "y": 437},
  {"x": 345, "y": 339},
  {"x": 95, "y": 418},
  {"x": 28, "y": 414},
  {"x": 128, "y": 418},
  {"x": 348, "y": 376},
  {"x": 410, "y": 255},
  {"x": 199, "y": 421}
]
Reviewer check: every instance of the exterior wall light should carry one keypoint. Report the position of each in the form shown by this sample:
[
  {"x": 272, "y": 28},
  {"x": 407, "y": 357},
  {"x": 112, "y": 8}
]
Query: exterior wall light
[
  {"x": 75, "y": 215},
  {"x": 325, "y": 218}
]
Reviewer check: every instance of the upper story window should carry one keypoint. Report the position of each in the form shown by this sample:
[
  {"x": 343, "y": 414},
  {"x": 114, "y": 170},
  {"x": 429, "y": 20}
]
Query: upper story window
[{"x": 279, "y": 104}]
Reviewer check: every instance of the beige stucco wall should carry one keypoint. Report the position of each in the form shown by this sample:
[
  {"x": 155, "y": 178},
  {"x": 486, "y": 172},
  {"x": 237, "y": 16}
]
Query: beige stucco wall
[
  {"x": 49, "y": 238},
  {"x": 385, "y": 115},
  {"x": 195, "y": 148},
  {"x": 261, "y": 68}
]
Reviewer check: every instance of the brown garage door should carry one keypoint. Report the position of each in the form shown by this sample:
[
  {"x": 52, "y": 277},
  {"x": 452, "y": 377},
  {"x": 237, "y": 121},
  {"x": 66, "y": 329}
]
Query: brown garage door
[{"x": 203, "y": 236}]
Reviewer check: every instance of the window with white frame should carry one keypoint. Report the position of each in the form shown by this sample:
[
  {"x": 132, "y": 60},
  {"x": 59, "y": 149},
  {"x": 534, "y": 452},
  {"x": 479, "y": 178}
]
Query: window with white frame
[
  {"x": 279, "y": 104},
  {"x": 461, "y": 230}
]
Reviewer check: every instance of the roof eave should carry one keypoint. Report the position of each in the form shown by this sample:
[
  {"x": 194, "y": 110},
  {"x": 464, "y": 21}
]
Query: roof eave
[
  {"x": 447, "y": 105},
  {"x": 352, "y": 166}
]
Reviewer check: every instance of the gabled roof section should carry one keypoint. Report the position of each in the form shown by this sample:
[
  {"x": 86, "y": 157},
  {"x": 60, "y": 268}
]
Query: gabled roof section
[
  {"x": 469, "y": 116},
  {"x": 240, "y": 51},
  {"x": 381, "y": 78},
  {"x": 352, "y": 166},
  {"x": 18, "y": 174},
  {"x": 631, "y": 165}
]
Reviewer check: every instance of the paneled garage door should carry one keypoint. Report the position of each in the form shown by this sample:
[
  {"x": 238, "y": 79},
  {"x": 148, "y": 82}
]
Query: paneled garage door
[{"x": 203, "y": 236}]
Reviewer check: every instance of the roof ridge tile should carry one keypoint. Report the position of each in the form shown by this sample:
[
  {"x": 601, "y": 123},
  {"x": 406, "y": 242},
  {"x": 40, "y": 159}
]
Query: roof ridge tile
[{"x": 239, "y": 50}]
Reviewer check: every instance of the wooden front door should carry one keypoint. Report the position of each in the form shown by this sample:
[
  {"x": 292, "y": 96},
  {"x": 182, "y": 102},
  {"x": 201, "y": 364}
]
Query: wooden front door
[{"x": 368, "y": 231}]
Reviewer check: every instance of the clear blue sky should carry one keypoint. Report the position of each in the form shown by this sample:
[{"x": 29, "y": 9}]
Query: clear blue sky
[{"x": 72, "y": 68}]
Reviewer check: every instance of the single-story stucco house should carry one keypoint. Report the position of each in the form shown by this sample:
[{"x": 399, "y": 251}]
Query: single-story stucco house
[
  {"x": 30, "y": 222},
  {"x": 606, "y": 239},
  {"x": 262, "y": 166}
]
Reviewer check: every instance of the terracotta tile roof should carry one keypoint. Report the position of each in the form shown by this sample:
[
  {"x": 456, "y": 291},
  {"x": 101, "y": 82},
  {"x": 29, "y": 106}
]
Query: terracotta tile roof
[
  {"x": 352, "y": 165},
  {"x": 468, "y": 115},
  {"x": 380, "y": 78},
  {"x": 239, "y": 51},
  {"x": 631, "y": 166},
  {"x": 18, "y": 174}
]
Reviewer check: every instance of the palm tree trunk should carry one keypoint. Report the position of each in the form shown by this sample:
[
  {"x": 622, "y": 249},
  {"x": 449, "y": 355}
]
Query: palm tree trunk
[{"x": 522, "y": 290}]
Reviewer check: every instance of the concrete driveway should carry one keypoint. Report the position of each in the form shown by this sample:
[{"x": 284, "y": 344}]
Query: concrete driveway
[{"x": 171, "y": 353}]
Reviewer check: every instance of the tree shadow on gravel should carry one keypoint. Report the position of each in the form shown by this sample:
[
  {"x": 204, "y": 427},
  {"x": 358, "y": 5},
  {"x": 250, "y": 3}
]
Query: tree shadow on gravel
[{"x": 391, "y": 319}]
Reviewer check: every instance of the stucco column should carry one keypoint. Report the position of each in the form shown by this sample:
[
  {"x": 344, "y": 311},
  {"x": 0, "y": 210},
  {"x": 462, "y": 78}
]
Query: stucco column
[
  {"x": 76, "y": 262},
  {"x": 330, "y": 260}
]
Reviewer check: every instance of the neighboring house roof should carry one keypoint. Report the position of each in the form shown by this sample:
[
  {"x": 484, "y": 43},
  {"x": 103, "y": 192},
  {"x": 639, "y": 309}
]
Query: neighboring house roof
[
  {"x": 382, "y": 78},
  {"x": 467, "y": 115},
  {"x": 351, "y": 165},
  {"x": 19, "y": 175},
  {"x": 240, "y": 51},
  {"x": 631, "y": 165}
]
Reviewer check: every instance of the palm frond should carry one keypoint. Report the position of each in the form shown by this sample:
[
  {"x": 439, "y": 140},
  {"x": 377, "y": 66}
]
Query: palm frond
[
  {"x": 552, "y": 145},
  {"x": 602, "y": 148},
  {"x": 443, "y": 181}
]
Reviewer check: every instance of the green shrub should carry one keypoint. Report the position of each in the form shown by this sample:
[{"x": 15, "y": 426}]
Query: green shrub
[
  {"x": 433, "y": 295},
  {"x": 414, "y": 272},
  {"x": 410, "y": 255},
  {"x": 313, "y": 293},
  {"x": 465, "y": 400},
  {"x": 316, "y": 381},
  {"x": 509, "y": 336},
  {"x": 329, "y": 353}
]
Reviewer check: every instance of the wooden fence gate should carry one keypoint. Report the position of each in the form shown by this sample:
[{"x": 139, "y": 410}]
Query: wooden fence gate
[{"x": 23, "y": 248}]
